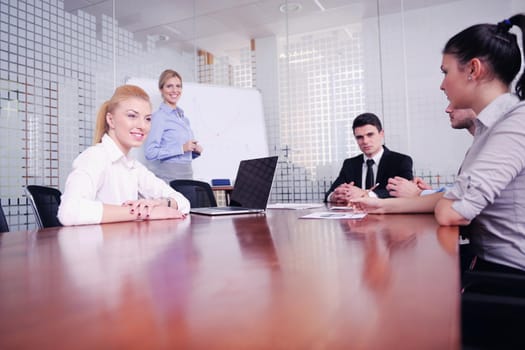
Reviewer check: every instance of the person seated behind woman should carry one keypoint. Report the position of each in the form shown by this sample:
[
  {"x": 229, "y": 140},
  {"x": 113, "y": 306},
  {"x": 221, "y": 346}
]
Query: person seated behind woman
[
  {"x": 400, "y": 187},
  {"x": 479, "y": 65},
  {"x": 106, "y": 184}
]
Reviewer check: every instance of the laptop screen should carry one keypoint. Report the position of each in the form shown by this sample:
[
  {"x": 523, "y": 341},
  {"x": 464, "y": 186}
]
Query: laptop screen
[{"x": 253, "y": 183}]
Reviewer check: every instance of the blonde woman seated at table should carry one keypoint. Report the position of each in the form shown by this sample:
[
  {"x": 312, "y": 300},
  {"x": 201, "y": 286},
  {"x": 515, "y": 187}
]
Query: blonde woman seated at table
[{"x": 106, "y": 184}]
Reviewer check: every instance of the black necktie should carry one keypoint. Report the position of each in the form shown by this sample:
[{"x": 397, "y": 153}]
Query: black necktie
[{"x": 369, "y": 182}]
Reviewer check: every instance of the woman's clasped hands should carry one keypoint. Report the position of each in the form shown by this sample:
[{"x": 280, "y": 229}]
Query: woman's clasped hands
[{"x": 151, "y": 209}]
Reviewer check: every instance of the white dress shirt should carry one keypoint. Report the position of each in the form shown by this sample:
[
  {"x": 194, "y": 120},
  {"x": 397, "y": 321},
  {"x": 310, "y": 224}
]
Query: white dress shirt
[
  {"x": 377, "y": 159},
  {"x": 102, "y": 174}
]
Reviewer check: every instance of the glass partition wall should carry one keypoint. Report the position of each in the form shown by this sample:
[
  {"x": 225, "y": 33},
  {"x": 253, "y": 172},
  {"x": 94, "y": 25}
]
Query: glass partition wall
[{"x": 317, "y": 64}]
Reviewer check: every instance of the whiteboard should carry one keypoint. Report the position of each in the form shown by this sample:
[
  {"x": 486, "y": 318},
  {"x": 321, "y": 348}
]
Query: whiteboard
[{"x": 228, "y": 122}]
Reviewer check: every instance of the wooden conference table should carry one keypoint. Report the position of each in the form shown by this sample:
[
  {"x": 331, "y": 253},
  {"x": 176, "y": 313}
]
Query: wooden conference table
[{"x": 269, "y": 281}]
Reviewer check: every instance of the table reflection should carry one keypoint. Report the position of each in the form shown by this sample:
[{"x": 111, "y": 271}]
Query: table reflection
[
  {"x": 239, "y": 282},
  {"x": 255, "y": 240}
]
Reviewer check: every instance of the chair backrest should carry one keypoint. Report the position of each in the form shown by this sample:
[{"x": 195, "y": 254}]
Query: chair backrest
[
  {"x": 4, "y": 227},
  {"x": 199, "y": 193},
  {"x": 492, "y": 310},
  {"x": 44, "y": 201}
]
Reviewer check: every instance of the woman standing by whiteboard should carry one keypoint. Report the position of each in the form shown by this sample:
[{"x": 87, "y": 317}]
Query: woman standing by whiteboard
[{"x": 171, "y": 142}]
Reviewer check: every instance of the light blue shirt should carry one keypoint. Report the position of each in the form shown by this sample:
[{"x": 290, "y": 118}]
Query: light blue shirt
[
  {"x": 170, "y": 130},
  {"x": 437, "y": 190}
]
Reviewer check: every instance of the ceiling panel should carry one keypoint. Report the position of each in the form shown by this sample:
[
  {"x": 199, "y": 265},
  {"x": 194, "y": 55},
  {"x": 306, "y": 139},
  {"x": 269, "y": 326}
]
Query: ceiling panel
[{"x": 225, "y": 24}]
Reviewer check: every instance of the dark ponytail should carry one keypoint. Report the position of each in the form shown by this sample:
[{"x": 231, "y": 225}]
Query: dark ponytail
[
  {"x": 493, "y": 44},
  {"x": 519, "y": 21}
]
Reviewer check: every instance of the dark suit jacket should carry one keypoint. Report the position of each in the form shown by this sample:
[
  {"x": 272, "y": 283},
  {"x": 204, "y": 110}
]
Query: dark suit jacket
[{"x": 391, "y": 164}]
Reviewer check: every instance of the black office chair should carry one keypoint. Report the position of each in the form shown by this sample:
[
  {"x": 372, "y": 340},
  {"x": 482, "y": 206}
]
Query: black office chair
[
  {"x": 44, "y": 201},
  {"x": 4, "y": 227},
  {"x": 198, "y": 193},
  {"x": 493, "y": 310}
]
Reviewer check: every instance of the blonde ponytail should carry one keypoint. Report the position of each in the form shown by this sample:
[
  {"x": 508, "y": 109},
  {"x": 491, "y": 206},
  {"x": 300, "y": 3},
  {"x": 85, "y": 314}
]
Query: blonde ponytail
[{"x": 102, "y": 126}]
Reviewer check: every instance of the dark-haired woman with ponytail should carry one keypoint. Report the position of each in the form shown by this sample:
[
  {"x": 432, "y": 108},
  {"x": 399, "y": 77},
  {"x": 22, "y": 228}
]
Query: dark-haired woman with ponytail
[{"x": 488, "y": 197}]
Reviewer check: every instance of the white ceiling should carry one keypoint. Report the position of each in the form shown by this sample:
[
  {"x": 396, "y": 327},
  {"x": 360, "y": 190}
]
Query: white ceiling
[{"x": 222, "y": 25}]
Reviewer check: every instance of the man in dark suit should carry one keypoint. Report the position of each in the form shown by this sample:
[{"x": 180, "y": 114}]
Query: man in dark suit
[{"x": 367, "y": 174}]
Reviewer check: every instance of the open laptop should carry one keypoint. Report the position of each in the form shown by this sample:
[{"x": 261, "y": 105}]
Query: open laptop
[{"x": 251, "y": 190}]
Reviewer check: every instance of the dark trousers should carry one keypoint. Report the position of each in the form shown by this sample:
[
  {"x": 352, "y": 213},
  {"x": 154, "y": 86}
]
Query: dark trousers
[
  {"x": 469, "y": 261},
  {"x": 492, "y": 304},
  {"x": 484, "y": 265}
]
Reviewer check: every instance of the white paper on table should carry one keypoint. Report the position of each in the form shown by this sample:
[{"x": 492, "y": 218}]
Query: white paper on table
[
  {"x": 294, "y": 206},
  {"x": 332, "y": 215},
  {"x": 341, "y": 208}
]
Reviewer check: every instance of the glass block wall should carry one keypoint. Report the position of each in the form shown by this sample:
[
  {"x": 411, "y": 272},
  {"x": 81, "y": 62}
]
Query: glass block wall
[
  {"x": 57, "y": 67},
  {"x": 237, "y": 70},
  {"x": 321, "y": 91},
  {"x": 47, "y": 90},
  {"x": 55, "y": 70}
]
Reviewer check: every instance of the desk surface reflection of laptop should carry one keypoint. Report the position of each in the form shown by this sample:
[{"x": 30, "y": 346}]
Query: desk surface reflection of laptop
[{"x": 251, "y": 189}]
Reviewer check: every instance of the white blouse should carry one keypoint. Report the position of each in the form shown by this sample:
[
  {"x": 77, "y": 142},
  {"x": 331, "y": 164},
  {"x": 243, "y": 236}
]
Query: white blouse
[{"x": 102, "y": 174}]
